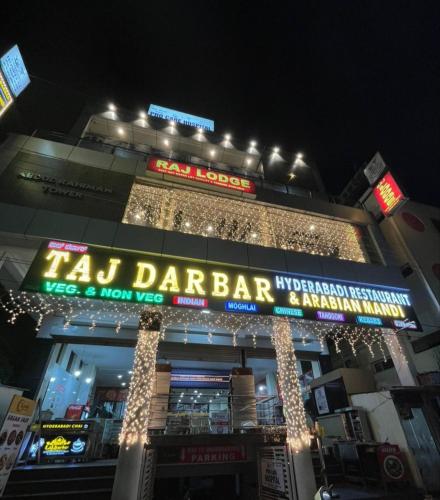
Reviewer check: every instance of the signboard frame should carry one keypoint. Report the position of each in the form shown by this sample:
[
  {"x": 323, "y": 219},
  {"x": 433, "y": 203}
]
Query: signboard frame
[{"x": 128, "y": 276}]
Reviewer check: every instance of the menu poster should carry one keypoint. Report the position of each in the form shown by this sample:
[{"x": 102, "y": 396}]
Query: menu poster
[{"x": 12, "y": 432}]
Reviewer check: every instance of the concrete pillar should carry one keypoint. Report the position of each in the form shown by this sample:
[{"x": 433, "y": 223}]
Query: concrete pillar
[
  {"x": 134, "y": 434},
  {"x": 402, "y": 359},
  {"x": 298, "y": 439}
]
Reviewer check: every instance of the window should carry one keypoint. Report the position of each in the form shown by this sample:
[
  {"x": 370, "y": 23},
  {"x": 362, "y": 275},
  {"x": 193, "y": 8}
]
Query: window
[
  {"x": 70, "y": 362},
  {"x": 380, "y": 366}
]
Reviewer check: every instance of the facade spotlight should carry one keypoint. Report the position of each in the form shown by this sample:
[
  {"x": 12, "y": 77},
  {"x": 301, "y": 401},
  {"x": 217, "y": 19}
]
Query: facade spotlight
[
  {"x": 120, "y": 131},
  {"x": 111, "y": 107},
  {"x": 227, "y": 137},
  {"x": 172, "y": 123},
  {"x": 142, "y": 115},
  {"x": 299, "y": 156},
  {"x": 253, "y": 144},
  {"x": 276, "y": 149}
]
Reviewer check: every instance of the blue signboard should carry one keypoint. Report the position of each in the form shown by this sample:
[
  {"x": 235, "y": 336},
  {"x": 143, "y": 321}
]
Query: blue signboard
[
  {"x": 14, "y": 70},
  {"x": 179, "y": 117}
]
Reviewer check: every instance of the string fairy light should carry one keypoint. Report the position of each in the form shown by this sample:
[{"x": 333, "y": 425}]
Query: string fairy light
[
  {"x": 136, "y": 418},
  {"x": 254, "y": 223},
  {"x": 293, "y": 407}
]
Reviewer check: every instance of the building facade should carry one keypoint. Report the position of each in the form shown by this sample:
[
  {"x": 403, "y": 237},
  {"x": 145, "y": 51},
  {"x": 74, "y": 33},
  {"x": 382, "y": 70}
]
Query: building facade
[{"x": 240, "y": 264}]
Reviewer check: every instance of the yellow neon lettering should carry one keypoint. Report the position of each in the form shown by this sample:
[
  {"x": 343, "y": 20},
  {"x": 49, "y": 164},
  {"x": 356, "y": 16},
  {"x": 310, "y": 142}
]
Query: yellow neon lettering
[
  {"x": 141, "y": 281},
  {"x": 241, "y": 290},
  {"x": 263, "y": 288},
  {"x": 220, "y": 286},
  {"x": 81, "y": 270},
  {"x": 315, "y": 300},
  {"x": 195, "y": 280},
  {"x": 306, "y": 300},
  {"x": 56, "y": 256},
  {"x": 169, "y": 282},
  {"x": 333, "y": 303},
  {"x": 102, "y": 279}
]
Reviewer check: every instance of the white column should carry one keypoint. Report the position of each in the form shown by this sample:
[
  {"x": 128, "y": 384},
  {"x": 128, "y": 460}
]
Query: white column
[
  {"x": 298, "y": 439},
  {"x": 134, "y": 434},
  {"x": 403, "y": 362}
]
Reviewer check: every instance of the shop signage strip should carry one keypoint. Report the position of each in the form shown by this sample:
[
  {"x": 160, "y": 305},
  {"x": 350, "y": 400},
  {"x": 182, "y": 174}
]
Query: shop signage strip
[
  {"x": 201, "y": 175},
  {"x": 98, "y": 273},
  {"x": 181, "y": 117}
]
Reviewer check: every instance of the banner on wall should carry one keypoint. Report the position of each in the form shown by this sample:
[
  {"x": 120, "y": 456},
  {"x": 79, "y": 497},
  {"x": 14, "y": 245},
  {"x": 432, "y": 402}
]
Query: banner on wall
[
  {"x": 12, "y": 433},
  {"x": 86, "y": 271}
]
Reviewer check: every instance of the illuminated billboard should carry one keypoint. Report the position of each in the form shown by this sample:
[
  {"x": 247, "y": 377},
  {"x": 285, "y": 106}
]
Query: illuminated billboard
[
  {"x": 5, "y": 96},
  {"x": 14, "y": 70},
  {"x": 201, "y": 174},
  {"x": 388, "y": 194},
  {"x": 86, "y": 271},
  {"x": 179, "y": 117}
]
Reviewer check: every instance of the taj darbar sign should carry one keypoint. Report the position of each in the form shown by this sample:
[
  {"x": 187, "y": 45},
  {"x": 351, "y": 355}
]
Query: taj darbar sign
[{"x": 76, "y": 270}]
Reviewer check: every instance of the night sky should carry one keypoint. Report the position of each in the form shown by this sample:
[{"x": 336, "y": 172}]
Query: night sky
[{"x": 337, "y": 80}]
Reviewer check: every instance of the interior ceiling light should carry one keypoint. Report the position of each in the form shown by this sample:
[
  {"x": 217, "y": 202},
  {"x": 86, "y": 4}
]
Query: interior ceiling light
[
  {"x": 200, "y": 130},
  {"x": 248, "y": 161},
  {"x": 299, "y": 156},
  {"x": 172, "y": 123},
  {"x": 212, "y": 152},
  {"x": 166, "y": 142}
]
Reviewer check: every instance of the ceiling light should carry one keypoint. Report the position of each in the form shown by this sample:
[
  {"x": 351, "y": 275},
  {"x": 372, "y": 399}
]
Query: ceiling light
[
  {"x": 228, "y": 137},
  {"x": 112, "y": 107},
  {"x": 191, "y": 398},
  {"x": 217, "y": 394},
  {"x": 210, "y": 400},
  {"x": 248, "y": 161},
  {"x": 179, "y": 400},
  {"x": 276, "y": 149},
  {"x": 166, "y": 142},
  {"x": 52, "y": 379},
  {"x": 123, "y": 384},
  {"x": 119, "y": 376},
  {"x": 253, "y": 143},
  {"x": 77, "y": 373},
  {"x": 196, "y": 391},
  {"x": 142, "y": 115},
  {"x": 212, "y": 152},
  {"x": 172, "y": 123},
  {"x": 120, "y": 131},
  {"x": 187, "y": 224},
  {"x": 88, "y": 380}
]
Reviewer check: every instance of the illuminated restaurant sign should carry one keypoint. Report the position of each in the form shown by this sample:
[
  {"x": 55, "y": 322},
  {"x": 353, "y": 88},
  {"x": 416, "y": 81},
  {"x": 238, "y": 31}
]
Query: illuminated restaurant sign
[
  {"x": 388, "y": 194},
  {"x": 99, "y": 273},
  {"x": 180, "y": 117},
  {"x": 201, "y": 174}
]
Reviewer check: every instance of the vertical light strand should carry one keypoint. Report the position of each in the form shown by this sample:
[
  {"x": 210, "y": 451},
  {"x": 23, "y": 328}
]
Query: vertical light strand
[
  {"x": 135, "y": 425},
  {"x": 293, "y": 407}
]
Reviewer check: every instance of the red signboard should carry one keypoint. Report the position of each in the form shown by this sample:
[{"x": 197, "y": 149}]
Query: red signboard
[
  {"x": 212, "y": 454},
  {"x": 201, "y": 174},
  {"x": 392, "y": 462},
  {"x": 388, "y": 194}
]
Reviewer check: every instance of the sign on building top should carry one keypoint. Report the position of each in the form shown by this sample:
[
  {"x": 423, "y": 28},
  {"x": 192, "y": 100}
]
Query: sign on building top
[{"x": 180, "y": 117}]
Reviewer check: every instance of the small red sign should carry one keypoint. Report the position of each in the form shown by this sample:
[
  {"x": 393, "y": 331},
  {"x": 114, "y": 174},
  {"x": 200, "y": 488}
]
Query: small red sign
[
  {"x": 201, "y": 174},
  {"x": 392, "y": 462},
  {"x": 212, "y": 454},
  {"x": 179, "y": 300},
  {"x": 388, "y": 194},
  {"x": 69, "y": 247},
  {"x": 74, "y": 412}
]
